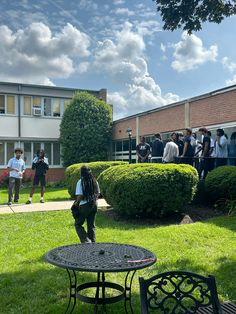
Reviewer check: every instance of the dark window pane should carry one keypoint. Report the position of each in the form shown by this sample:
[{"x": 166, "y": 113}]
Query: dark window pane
[
  {"x": 56, "y": 154},
  {"x": 27, "y": 154},
  {"x": 48, "y": 152},
  {"x": 119, "y": 146}
]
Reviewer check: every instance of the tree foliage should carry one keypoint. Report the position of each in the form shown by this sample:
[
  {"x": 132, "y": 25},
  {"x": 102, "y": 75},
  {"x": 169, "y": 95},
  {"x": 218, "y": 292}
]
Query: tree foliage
[
  {"x": 190, "y": 14},
  {"x": 85, "y": 130}
]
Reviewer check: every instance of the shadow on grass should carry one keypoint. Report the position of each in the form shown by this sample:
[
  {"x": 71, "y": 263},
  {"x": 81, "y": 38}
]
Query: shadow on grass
[
  {"x": 227, "y": 223},
  {"x": 224, "y": 274},
  {"x": 47, "y": 291}
]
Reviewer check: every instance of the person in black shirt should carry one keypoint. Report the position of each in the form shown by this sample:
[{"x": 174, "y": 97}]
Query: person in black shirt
[
  {"x": 188, "y": 149},
  {"x": 206, "y": 151},
  {"x": 143, "y": 150},
  {"x": 178, "y": 142},
  {"x": 157, "y": 148},
  {"x": 40, "y": 164}
]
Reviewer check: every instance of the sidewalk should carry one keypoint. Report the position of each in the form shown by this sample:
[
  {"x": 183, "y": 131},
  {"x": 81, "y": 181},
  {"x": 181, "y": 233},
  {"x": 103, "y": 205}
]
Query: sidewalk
[{"x": 38, "y": 207}]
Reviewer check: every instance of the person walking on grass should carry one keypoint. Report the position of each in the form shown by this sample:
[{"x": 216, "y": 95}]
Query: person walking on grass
[
  {"x": 16, "y": 166},
  {"x": 85, "y": 205},
  {"x": 40, "y": 164}
]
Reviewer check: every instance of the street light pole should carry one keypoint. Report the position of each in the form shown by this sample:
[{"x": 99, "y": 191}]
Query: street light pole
[{"x": 129, "y": 131}]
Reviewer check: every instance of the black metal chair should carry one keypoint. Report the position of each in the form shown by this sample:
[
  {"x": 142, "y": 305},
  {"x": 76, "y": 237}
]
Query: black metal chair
[{"x": 179, "y": 292}]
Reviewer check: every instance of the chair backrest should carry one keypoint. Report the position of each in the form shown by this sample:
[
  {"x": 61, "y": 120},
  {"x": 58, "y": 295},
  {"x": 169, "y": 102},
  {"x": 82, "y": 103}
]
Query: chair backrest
[{"x": 178, "y": 292}]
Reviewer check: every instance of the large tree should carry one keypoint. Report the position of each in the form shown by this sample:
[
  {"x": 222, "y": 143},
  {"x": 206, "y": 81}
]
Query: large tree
[
  {"x": 85, "y": 130},
  {"x": 190, "y": 14}
]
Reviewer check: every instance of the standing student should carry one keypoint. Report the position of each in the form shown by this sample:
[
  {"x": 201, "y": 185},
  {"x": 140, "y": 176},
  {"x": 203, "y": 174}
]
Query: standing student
[
  {"x": 157, "y": 148},
  {"x": 221, "y": 148},
  {"x": 16, "y": 166},
  {"x": 142, "y": 150},
  {"x": 171, "y": 151},
  {"x": 40, "y": 164},
  {"x": 85, "y": 206},
  {"x": 188, "y": 149},
  {"x": 206, "y": 151}
]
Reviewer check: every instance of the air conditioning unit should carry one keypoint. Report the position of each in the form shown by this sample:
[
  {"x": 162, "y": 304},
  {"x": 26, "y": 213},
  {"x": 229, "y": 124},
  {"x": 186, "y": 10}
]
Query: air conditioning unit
[{"x": 37, "y": 111}]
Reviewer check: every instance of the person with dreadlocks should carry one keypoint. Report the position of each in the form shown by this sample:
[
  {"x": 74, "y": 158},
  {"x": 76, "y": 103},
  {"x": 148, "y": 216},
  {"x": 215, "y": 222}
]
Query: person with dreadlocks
[{"x": 85, "y": 206}]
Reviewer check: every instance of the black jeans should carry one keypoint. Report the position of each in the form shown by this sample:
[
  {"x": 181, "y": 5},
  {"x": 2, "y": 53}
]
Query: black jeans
[
  {"x": 86, "y": 212},
  {"x": 14, "y": 183}
]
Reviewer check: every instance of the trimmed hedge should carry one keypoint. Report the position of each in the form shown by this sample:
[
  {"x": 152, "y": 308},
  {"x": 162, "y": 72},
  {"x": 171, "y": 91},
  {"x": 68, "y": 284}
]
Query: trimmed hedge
[
  {"x": 148, "y": 189},
  {"x": 220, "y": 183},
  {"x": 72, "y": 173}
]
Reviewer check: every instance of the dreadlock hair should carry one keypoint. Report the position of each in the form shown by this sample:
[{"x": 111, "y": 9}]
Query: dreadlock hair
[{"x": 89, "y": 184}]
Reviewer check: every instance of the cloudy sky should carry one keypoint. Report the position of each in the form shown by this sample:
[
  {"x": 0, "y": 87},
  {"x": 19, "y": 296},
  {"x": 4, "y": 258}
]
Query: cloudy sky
[{"x": 113, "y": 44}]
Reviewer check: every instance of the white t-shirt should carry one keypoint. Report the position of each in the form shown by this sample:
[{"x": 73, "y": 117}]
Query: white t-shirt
[
  {"x": 171, "y": 151},
  {"x": 222, "y": 152},
  {"x": 18, "y": 164},
  {"x": 79, "y": 191}
]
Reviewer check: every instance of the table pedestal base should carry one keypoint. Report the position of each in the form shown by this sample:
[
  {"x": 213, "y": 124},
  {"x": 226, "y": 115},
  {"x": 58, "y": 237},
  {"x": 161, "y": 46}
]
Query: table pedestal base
[{"x": 100, "y": 298}]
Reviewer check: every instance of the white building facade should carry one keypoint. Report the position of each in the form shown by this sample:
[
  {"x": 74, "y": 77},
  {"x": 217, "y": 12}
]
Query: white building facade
[{"x": 30, "y": 117}]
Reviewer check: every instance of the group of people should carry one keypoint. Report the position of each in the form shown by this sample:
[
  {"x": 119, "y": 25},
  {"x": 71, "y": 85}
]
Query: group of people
[
  {"x": 87, "y": 191},
  {"x": 16, "y": 167},
  {"x": 205, "y": 154}
]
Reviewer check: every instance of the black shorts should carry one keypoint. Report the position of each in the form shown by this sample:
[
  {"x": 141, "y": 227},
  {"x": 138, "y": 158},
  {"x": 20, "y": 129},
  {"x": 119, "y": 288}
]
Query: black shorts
[{"x": 40, "y": 179}]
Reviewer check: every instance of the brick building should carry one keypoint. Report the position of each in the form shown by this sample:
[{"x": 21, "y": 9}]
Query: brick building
[
  {"x": 30, "y": 117},
  {"x": 216, "y": 109}
]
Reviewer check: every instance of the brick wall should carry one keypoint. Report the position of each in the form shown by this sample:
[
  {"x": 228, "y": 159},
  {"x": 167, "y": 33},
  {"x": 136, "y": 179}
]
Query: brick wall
[
  {"x": 119, "y": 128},
  {"x": 216, "y": 109}
]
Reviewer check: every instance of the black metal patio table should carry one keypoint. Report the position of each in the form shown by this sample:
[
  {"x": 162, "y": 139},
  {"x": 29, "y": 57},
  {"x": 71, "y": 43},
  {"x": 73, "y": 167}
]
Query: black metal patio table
[{"x": 100, "y": 258}]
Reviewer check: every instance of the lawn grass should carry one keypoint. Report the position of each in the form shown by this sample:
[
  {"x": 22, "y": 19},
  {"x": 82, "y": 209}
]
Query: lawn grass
[
  {"x": 51, "y": 194},
  {"x": 28, "y": 284}
]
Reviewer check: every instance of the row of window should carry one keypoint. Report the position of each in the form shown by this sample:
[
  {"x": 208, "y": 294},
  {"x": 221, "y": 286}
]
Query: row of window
[
  {"x": 52, "y": 151},
  {"x": 33, "y": 105}
]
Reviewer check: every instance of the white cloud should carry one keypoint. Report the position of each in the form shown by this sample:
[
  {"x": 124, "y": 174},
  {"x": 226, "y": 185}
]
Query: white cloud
[
  {"x": 118, "y": 2},
  {"x": 189, "y": 53},
  {"x": 124, "y": 11},
  {"x": 35, "y": 55},
  {"x": 83, "y": 67},
  {"x": 148, "y": 28},
  {"x": 123, "y": 59},
  {"x": 231, "y": 66},
  {"x": 232, "y": 81},
  {"x": 163, "y": 47}
]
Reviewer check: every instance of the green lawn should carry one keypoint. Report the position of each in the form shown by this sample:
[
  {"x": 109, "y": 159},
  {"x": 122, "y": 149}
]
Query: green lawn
[
  {"x": 30, "y": 285},
  {"x": 51, "y": 194}
]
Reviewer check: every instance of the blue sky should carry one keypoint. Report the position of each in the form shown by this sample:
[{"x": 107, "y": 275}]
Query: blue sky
[{"x": 113, "y": 44}]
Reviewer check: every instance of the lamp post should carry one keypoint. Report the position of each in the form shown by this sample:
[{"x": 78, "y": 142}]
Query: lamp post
[{"x": 129, "y": 131}]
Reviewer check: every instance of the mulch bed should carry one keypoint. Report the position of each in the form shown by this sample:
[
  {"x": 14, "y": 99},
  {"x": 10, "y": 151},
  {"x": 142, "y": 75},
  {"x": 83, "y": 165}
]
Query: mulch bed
[{"x": 193, "y": 213}]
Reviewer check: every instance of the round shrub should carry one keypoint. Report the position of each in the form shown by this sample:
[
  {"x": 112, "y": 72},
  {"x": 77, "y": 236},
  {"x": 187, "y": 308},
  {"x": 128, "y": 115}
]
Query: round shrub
[
  {"x": 72, "y": 173},
  {"x": 148, "y": 189},
  {"x": 220, "y": 183}
]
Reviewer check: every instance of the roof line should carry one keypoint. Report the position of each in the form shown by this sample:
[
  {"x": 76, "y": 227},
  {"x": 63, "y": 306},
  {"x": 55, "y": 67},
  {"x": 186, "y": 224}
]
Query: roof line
[{"x": 178, "y": 103}]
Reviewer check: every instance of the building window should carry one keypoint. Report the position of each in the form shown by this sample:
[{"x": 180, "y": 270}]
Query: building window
[
  {"x": 56, "y": 154},
  {"x": 27, "y": 153},
  {"x": 56, "y": 107},
  {"x": 66, "y": 103},
  {"x": 27, "y": 105},
  {"x": 2, "y": 104},
  {"x": 36, "y": 148},
  {"x": 47, "y": 106},
  {"x": 37, "y": 102},
  {"x": 10, "y": 150},
  {"x": 48, "y": 152},
  {"x": 7, "y": 104},
  {"x": 2, "y": 153},
  {"x": 10, "y": 104}
]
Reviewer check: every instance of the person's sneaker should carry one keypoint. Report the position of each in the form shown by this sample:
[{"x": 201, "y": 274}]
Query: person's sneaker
[
  {"x": 15, "y": 201},
  {"x": 9, "y": 203},
  {"x": 42, "y": 201},
  {"x": 28, "y": 202}
]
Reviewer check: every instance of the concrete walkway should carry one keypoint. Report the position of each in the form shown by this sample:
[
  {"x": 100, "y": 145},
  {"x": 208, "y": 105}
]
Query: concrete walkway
[{"x": 38, "y": 207}]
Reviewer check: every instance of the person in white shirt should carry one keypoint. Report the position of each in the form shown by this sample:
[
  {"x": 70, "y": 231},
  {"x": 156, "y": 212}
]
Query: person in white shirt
[
  {"x": 221, "y": 151},
  {"x": 16, "y": 167},
  {"x": 171, "y": 151},
  {"x": 85, "y": 206}
]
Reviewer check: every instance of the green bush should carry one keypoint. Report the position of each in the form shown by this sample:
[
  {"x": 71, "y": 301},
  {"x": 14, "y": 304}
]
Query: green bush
[
  {"x": 220, "y": 183},
  {"x": 72, "y": 173},
  {"x": 148, "y": 189}
]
